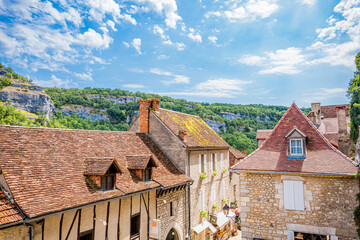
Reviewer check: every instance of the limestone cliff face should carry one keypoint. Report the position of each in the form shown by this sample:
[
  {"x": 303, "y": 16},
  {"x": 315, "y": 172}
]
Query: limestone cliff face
[
  {"x": 28, "y": 97},
  {"x": 84, "y": 112}
]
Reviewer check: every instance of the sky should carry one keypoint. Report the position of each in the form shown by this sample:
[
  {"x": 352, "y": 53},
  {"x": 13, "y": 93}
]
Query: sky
[{"x": 268, "y": 52}]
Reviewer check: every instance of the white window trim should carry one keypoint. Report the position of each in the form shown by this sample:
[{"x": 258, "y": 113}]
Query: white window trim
[
  {"x": 222, "y": 190},
  {"x": 294, "y": 198},
  {"x": 222, "y": 160},
  {"x": 302, "y": 147},
  {"x": 213, "y": 195}
]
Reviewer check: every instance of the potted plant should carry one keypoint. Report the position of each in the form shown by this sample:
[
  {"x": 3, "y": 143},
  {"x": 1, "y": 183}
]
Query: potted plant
[
  {"x": 224, "y": 170},
  {"x": 203, "y": 214},
  {"x": 203, "y": 176},
  {"x": 214, "y": 173},
  {"x": 225, "y": 201},
  {"x": 215, "y": 206}
]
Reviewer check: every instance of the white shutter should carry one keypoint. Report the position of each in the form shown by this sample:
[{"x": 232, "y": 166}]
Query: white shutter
[
  {"x": 291, "y": 235},
  {"x": 199, "y": 163},
  {"x": 288, "y": 195},
  {"x": 213, "y": 196},
  {"x": 222, "y": 160},
  {"x": 205, "y": 166},
  {"x": 201, "y": 204},
  {"x": 299, "y": 195},
  {"x": 215, "y": 154},
  {"x": 222, "y": 190},
  {"x": 211, "y": 162}
]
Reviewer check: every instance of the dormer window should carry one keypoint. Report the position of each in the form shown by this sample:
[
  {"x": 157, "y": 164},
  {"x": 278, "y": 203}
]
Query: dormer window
[
  {"x": 101, "y": 172},
  {"x": 296, "y": 141},
  {"x": 141, "y": 166}
]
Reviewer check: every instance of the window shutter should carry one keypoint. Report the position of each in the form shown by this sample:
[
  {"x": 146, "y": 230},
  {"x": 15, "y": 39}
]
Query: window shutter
[
  {"x": 199, "y": 163},
  {"x": 298, "y": 195},
  {"x": 215, "y": 155},
  {"x": 222, "y": 190},
  {"x": 288, "y": 195},
  {"x": 222, "y": 160},
  {"x": 211, "y": 162},
  {"x": 201, "y": 200},
  {"x": 213, "y": 196},
  {"x": 205, "y": 162},
  {"x": 304, "y": 146}
]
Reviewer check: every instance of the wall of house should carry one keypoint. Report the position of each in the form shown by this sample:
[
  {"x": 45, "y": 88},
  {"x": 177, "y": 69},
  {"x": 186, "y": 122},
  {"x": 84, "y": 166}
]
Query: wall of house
[
  {"x": 168, "y": 143},
  {"x": 163, "y": 213},
  {"x": 329, "y": 206},
  {"x": 207, "y": 183},
  {"x": 129, "y": 206}
]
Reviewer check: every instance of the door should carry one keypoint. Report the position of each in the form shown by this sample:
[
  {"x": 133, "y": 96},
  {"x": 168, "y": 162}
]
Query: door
[{"x": 172, "y": 235}]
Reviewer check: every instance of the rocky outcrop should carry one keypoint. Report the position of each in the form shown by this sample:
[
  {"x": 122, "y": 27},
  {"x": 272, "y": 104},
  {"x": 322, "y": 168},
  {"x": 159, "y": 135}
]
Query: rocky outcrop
[
  {"x": 120, "y": 100},
  {"x": 216, "y": 126},
  {"x": 84, "y": 112},
  {"x": 28, "y": 97}
]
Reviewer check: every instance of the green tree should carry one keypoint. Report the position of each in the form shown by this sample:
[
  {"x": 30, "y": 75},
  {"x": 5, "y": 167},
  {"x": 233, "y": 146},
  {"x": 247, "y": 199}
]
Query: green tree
[{"x": 354, "y": 94}]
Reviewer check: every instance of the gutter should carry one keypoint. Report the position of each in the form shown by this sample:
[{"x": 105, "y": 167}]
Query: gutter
[
  {"x": 27, "y": 220},
  {"x": 291, "y": 173},
  {"x": 207, "y": 148}
]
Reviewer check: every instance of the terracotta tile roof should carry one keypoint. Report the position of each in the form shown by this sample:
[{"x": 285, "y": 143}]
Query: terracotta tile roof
[
  {"x": 43, "y": 167},
  {"x": 321, "y": 157},
  {"x": 99, "y": 166},
  {"x": 332, "y": 137},
  {"x": 330, "y": 110},
  {"x": 138, "y": 161},
  {"x": 235, "y": 155},
  {"x": 263, "y": 134},
  {"x": 199, "y": 134},
  {"x": 8, "y": 212}
]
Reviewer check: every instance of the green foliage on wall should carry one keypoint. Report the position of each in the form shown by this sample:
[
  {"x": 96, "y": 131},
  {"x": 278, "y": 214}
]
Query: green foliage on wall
[{"x": 354, "y": 94}]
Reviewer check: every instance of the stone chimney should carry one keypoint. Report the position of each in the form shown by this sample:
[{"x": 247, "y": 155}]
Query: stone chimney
[
  {"x": 343, "y": 137},
  {"x": 316, "y": 109},
  {"x": 145, "y": 106},
  {"x": 312, "y": 117},
  {"x": 183, "y": 135}
]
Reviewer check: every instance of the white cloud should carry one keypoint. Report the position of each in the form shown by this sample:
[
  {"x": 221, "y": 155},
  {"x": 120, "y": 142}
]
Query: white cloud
[
  {"x": 84, "y": 76},
  {"x": 166, "y": 39},
  {"x": 167, "y": 7},
  {"x": 133, "y": 85},
  {"x": 56, "y": 82},
  {"x": 246, "y": 11},
  {"x": 215, "y": 88},
  {"x": 282, "y": 61},
  {"x": 94, "y": 39},
  {"x": 213, "y": 39},
  {"x": 136, "y": 43},
  {"x": 171, "y": 77},
  {"x": 194, "y": 36},
  {"x": 323, "y": 94},
  {"x": 308, "y": 2}
]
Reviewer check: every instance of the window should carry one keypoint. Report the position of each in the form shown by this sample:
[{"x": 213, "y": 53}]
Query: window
[
  {"x": 293, "y": 195},
  {"x": 88, "y": 235},
  {"x": 222, "y": 189},
  {"x": 147, "y": 174},
  {"x": 202, "y": 163},
  {"x": 135, "y": 226},
  {"x": 171, "y": 209},
  {"x": 201, "y": 200},
  {"x": 108, "y": 182},
  {"x": 296, "y": 147},
  {"x": 213, "y": 161},
  {"x": 213, "y": 195},
  {"x": 234, "y": 189},
  {"x": 222, "y": 160}
]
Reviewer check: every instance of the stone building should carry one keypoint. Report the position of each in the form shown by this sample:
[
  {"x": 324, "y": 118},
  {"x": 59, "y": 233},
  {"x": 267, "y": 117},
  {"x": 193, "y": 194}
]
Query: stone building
[
  {"x": 197, "y": 151},
  {"x": 80, "y": 184},
  {"x": 297, "y": 185}
]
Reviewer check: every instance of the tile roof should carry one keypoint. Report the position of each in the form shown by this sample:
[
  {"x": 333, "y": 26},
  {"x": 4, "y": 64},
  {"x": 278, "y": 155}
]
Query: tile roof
[
  {"x": 321, "y": 156},
  {"x": 199, "y": 134},
  {"x": 263, "y": 133},
  {"x": 43, "y": 167},
  {"x": 330, "y": 110},
  {"x": 8, "y": 211},
  {"x": 235, "y": 155},
  {"x": 98, "y": 166},
  {"x": 138, "y": 161}
]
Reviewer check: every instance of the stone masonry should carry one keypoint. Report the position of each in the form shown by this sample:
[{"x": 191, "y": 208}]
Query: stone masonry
[{"x": 329, "y": 206}]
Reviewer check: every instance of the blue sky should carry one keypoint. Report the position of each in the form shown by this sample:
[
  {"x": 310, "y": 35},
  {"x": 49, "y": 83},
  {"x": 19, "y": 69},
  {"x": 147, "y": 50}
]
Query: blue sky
[{"x": 233, "y": 51}]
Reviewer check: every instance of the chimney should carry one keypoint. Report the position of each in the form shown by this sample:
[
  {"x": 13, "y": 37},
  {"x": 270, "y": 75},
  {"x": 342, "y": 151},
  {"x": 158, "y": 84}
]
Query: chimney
[
  {"x": 312, "y": 117},
  {"x": 183, "y": 135},
  {"x": 144, "y": 108},
  {"x": 343, "y": 137},
  {"x": 316, "y": 109}
]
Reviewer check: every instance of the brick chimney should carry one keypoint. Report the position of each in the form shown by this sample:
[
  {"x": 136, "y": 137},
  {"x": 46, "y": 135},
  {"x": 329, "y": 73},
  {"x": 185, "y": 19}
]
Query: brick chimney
[
  {"x": 316, "y": 109},
  {"x": 144, "y": 108},
  {"x": 343, "y": 137},
  {"x": 183, "y": 135},
  {"x": 312, "y": 117}
]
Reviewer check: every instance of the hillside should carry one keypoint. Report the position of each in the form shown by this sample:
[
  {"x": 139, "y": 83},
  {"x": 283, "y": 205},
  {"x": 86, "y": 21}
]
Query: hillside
[{"x": 115, "y": 109}]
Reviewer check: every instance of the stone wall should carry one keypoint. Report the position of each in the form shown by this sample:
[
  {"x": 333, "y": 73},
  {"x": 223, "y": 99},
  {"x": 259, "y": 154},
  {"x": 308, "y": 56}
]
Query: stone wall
[
  {"x": 163, "y": 213},
  {"x": 329, "y": 206}
]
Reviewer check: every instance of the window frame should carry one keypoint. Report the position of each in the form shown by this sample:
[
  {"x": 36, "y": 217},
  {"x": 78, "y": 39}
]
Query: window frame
[
  {"x": 297, "y": 147},
  {"x": 213, "y": 161},
  {"x": 147, "y": 178},
  {"x": 113, "y": 181},
  {"x": 294, "y": 200},
  {"x": 88, "y": 232},
  {"x": 202, "y": 167},
  {"x": 135, "y": 235},
  {"x": 171, "y": 209}
]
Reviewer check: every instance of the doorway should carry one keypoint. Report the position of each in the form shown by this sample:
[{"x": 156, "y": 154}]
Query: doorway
[{"x": 172, "y": 235}]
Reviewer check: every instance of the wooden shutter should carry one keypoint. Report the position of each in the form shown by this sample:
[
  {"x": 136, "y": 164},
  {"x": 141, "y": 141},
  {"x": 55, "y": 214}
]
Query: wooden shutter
[
  {"x": 298, "y": 195},
  {"x": 205, "y": 164},
  {"x": 199, "y": 163},
  {"x": 211, "y": 162},
  {"x": 288, "y": 195}
]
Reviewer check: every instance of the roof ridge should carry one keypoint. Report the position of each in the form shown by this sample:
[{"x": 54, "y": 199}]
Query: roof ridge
[{"x": 324, "y": 138}]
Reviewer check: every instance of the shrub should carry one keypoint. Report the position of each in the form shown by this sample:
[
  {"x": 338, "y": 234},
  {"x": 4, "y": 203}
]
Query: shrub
[
  {"x": 9, "y": 75},
  {"x": 4, "y": 81}
]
